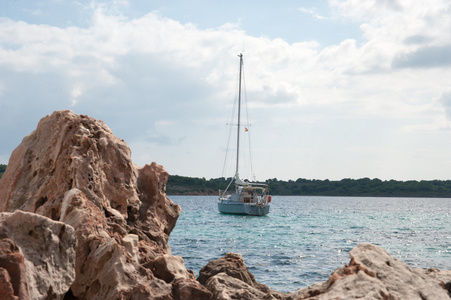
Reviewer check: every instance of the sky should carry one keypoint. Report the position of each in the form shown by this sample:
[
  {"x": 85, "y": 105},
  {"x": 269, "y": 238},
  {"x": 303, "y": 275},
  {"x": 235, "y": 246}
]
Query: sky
[{"x": 334, "y": 89}]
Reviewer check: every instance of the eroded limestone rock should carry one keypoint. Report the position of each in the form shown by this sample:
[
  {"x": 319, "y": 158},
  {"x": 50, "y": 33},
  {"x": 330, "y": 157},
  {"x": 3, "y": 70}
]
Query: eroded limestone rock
[
  {"x": 443, "y": 278},
  {"x": 73, "y": 169},
  {"x": 373, "y": 274},
  {"x": 229, "y": 278},
  {"x": 37, "y": 254}
]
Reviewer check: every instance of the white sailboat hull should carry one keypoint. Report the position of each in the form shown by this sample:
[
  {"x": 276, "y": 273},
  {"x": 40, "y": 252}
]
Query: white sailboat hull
[{"x": 239, "y": 208}]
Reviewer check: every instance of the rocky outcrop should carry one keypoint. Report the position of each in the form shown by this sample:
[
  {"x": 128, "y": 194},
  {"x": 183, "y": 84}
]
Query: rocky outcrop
[
  {"x": 72, "y": 169},
  {"x": 229, "y": 278},
  {"x": 37, "y": 256},
  {"x": 373, "y": 274},
  {"x": 443, "y": 278},
  {"x": 78, "y": 220}
]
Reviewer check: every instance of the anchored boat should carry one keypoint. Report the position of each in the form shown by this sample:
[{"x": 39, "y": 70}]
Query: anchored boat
[{"x": 243, "y": 197}]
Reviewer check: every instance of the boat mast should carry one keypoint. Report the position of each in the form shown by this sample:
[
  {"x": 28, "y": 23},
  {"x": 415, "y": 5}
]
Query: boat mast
[{"x": 239, "y": 113}]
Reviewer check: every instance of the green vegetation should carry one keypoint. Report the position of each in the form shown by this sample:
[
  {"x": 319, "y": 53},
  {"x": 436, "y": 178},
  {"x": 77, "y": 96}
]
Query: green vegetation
[
  {"x": 2, "y": 170},
  {"x": 179, "y": 185},
  {"x": 362, "y": 187}
]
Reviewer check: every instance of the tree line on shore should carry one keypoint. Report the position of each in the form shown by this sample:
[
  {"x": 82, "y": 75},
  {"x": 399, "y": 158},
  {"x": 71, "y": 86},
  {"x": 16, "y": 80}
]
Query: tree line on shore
[
  {"x": 181, "y": 185},
  {"x": 2, "y": 169}
]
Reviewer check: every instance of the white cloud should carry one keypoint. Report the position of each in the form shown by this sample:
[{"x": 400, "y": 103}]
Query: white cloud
[
  {"x": 163, "y": 85},
  {"x": 77, "y": 92},
  {"x": 391, "y": 26},
  {"x": 445, "y": 102},
  {"x": 312, "y": 12}
]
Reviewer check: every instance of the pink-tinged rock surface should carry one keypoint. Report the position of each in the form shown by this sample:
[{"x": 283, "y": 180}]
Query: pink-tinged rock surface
[
  {"x": 74, "y": 170},
  {"x": 37, "y": 256},
  {"x": 229, "y": 278},
  {"x": 13, "y": 283},
  {"x": 373, "y": 274}
]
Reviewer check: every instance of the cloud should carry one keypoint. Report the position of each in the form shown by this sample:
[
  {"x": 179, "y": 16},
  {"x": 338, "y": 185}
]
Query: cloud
[
  {"x": 311, "y": 12},
  {"x": 426, "y": 57},
  {"x": 138, "y": 73},
  {"x": 279, "y": 95},
  {"x": 77, "y": 92},
  {"x": 418, "y": 39},
  {"x": 445, "y": 101},
  {"x": 400, "y": 26},
  {"x": 161, "y": 140},
  {"x": 367, "y": 10}
]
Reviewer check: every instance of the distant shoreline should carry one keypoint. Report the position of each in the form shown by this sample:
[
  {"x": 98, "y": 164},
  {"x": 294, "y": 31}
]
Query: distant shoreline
[
  {"x": 204, "y": 194},
  {"x": 365, "y": 187},
  {"x": 181, "y": 185}
]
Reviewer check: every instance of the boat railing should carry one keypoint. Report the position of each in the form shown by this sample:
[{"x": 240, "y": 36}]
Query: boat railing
[
  {"x": 264, "y": 200},
  {"x": 223, "y": 194}
]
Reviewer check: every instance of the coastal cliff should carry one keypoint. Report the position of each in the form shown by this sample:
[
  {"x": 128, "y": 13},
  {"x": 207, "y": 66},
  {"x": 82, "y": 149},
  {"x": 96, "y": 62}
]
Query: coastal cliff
[{"x": 78, "y": 220}]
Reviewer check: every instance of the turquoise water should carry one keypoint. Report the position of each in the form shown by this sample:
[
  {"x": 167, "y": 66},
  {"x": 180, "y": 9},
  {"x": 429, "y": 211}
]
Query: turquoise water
[{"x": 304, "y": 239}]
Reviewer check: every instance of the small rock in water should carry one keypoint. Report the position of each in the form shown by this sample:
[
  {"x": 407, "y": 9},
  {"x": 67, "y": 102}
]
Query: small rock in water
[{"x": 229, "y": 278}]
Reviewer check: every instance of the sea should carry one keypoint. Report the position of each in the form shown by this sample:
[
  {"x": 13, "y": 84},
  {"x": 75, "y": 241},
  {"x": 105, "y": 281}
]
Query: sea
[{"x": 304, "y": 239}]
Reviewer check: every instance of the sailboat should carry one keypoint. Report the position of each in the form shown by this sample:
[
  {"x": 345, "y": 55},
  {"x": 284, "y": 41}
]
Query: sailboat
[{"x": 243, "y": 197}]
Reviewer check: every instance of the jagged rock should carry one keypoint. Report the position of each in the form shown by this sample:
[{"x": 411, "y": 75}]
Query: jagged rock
[
  {"x": 73, "y": 169},
  {"x": 185, "y": 289},
  {"x": 6, "y": 286},
  {"x": 172, "y": 269},
  {"x": 13, "y": 283},
  {"x": 37, "y": 256},
  {"x": 225, "y": 287},
  {"x": 229, "y": 278},
  {"x": 442, "y": 277},
  {"x": 373, "y": 274}
]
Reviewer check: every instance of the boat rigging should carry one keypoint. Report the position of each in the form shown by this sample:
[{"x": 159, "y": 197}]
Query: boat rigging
[{"x": 248, "y": 198}]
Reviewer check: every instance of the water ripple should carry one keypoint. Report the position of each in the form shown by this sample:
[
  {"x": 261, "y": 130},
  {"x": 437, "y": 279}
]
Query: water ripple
[{"x": 304, "y": 239}]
